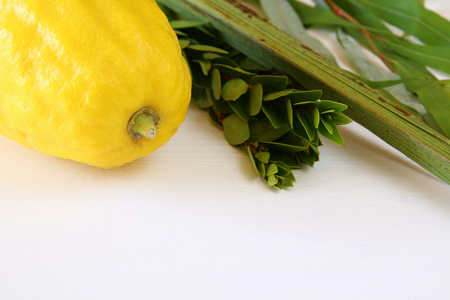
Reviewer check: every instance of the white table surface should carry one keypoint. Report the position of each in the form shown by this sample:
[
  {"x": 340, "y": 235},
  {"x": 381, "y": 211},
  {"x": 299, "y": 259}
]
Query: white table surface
[{"x": 192, "y": 221}]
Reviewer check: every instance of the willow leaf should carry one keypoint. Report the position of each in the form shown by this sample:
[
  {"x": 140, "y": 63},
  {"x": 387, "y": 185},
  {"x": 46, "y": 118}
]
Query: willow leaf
[
  {"x": 430, "y": 93},
  {"x": 375, "y": 74},
  {"x": 435, "y": 57},
  {"x": 281, "y": 13},
  {"x": 360, "y": 14},
  {"x": 317, "y": 16},
  {"x": 413, "y": 18}
]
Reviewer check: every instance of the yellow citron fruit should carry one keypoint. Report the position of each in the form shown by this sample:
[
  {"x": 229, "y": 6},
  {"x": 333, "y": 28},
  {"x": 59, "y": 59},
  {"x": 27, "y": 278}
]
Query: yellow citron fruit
[{"x": 73, "y": 73}]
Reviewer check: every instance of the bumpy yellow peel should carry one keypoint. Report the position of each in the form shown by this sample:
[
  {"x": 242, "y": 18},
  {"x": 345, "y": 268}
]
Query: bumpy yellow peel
[{"x": 74, "y": 72}]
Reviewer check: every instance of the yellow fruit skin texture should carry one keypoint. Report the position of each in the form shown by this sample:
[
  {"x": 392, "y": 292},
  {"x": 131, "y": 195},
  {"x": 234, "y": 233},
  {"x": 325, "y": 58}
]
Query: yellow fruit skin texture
[{"x": 73, "y": 72}]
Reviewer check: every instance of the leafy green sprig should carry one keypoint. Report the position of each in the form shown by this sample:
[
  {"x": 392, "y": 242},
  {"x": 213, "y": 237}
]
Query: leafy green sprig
[{"x": 267, "y": 114}]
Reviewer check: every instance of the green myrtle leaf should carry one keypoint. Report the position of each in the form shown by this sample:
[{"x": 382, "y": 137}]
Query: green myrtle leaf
[
  {"x": 284, "y": 183},
  {"x": 288, "y": 160},
  {"x": 222, "y": 106},
  {"x": 207, "y": 48},
  {"x": 284, "y": 147},
  {"x": 184, "y": 43},
  {"x": 299, "y": 130},
  {"x": 335, "y": 137},
  {"x": 308, "y": 158},
  {"x": 233, "y": 89},
  {"x": 262, "y": 169},
  {"x": 236, "y": 130},
  {"x": 198, "y": 78},
  {"x": 306, "y": 119},
  {"x": 201, "y": 97},
  {"x": 252, "y": 159},
  {"x": 235, "y": 72},
  {"x": 339, "y": 118},
  {"x": 327, "y": 124},
  {"x": 250, "y": 65},
  {"x": 214, "y": 117},
  {"x": 240, "y": 107},
  {"x": 225, "y": 61},
  {"x": 327, "y": 105},
  {"x": 263, "y": 157},
  {"x": 181, "y": 24},
  {"x": 216, "y": 83},
  {"x": 272, "y": 180},
  {"x": 255, "y": 101},
  {"x": 180, "y": 33},
  {"x": 273, "y": 112},
  {"x": 263, "y": 130},
  {"x": 211, "y": 55},
  {"x": 316, "y": 117},
  {"x": 204, "y": 64},
  {"x": 276, "y": 95},
  {"x": 289, "y": 112},
  {"x": 271, "y": 83},
  {"x": 272, "y": 169},
  {"x": 305, "y": 96}
]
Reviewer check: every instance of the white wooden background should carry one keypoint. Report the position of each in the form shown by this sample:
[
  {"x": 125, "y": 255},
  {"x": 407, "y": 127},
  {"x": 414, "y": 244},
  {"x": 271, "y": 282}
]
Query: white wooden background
[{"x": 192, "y": 221}]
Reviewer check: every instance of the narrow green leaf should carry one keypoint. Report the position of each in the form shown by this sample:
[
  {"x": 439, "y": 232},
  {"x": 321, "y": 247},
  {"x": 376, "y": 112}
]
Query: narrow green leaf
[
  {"x": 216, "y": 83},
  {"x": 264, "y": 131},
  {"x": 435, "y": 57},
  {"x": 211, "y": 55},
  {"x": 214, "y": 117},
  {"x": 316, "y": 16},
  {"x": 339, "y": 118},
  {"x": 304, "y": 96},
  {"x": 240, "y": 107},
  {"x": 235, "y": 72},
  {"x": 222, "y": 106},
  {"x": 272, "y": 169},
  {"x": 375, "y": 75},
  {"x": 184, "y": 43},
  {"x": 284, "y": 147},
  {"x": 281, "y": 156},
  {"x": 263, "y": 157},
  {"x": 221, "y": 60},
  {"x": 282, "y": 14},
  {"x": 274, "y": 114},
  {"x": 201, "y": 97},
  {"x": 251, "y": 65},
  {"x": 181, "y": 24},
  {"x": 262, "y": 169},
  {"x": 327, "y": 124},
  {"x": 233, "y": 89},
  {"x": 236, "y": 130},
  {"x": 276, "y": 95},
  {"x": 271, "y": 180},
  {"x": 299, "y": 130},
  {"x": 252, "y": 159},
  {"x": 271, "y": 83},
  {"x": 316, "y": 117},
  {"x": 326, "y": 105},
  {"x": 255, "y": 101},
  {"x": 430, "y": 93},
  {"x": 413, "y": 18},
  {"x": 289, "y": 112},
  {"x": 204, "y": 64},
  {"x": 207, "y": 48},
  {"x": 307, "y": 157},
  {"x": 306, "y": 119},
  {"x": 335, "y": 137}
]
